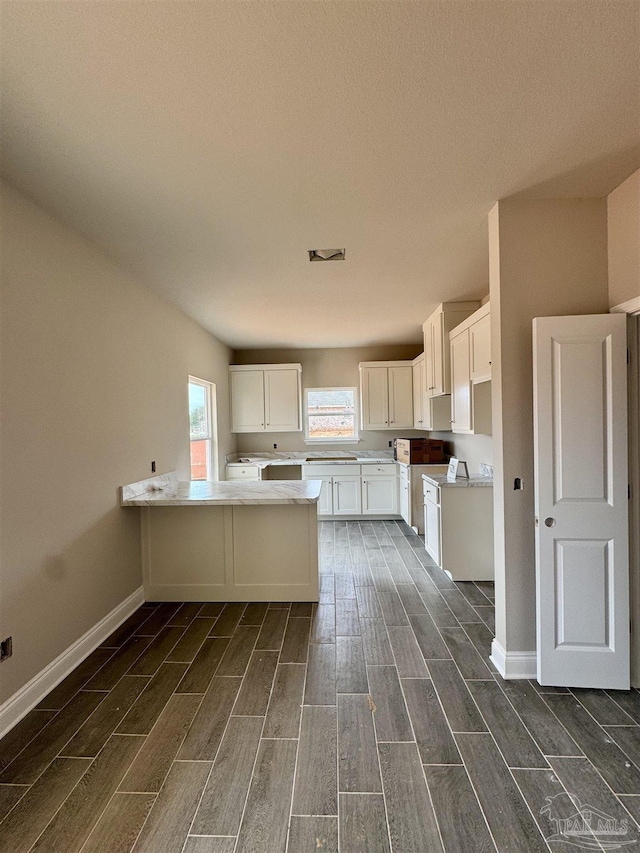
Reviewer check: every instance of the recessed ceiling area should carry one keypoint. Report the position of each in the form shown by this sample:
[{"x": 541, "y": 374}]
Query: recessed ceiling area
[{"x": 205, "y": 146}]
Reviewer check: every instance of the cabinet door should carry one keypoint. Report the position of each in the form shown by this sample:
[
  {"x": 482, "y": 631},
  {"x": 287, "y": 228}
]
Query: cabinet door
[
  {"x": 375, "y": 398},
  {"x": 379, "y": 495},
  {"x": 427, "y": 335},
  {"x": 405, "y": 500},
  {"x": 419, "y": 395},
  {"x": 325, "y": 504},
  {"x": 346, "y": 495},
  {"x": 460, "y": 384},
  {"x": 282, "y": 400},
  {"x": 400, "y": 397},
  {"x": 432, "y": 529},
  {"x": 438, "y": 380},
  {"x": 247, "y": 401},
  {"x": 480, "y": 345}
]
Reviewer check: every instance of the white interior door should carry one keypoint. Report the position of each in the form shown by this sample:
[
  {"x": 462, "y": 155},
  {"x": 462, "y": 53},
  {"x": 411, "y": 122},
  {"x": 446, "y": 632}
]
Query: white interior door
[{"x": 582, "y": 547}]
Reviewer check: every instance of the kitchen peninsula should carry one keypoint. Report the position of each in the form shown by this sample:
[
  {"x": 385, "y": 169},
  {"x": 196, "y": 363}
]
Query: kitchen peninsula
[{"x": 227, "y": 541}]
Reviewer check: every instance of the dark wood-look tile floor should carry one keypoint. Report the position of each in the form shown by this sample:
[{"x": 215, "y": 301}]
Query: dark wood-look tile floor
[{"x": 373, "y": 721}]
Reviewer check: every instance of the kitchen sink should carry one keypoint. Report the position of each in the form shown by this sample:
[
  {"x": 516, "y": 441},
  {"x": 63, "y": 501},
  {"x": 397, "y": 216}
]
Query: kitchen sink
[{"x": 331, "y": 459}]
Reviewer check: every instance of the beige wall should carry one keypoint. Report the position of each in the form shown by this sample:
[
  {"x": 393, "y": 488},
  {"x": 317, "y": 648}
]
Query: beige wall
[
  {"x": 474, "y": 449},
  {"x": 623, "y": 215},
  {"x": 547, "y": 257},
  {"x": 324, "y": 368},
  {"x": 93, "y": 387}
]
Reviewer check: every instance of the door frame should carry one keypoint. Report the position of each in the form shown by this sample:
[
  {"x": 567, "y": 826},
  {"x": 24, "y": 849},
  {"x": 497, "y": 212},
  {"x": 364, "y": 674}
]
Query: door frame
[{"x": 632, "y": 310}]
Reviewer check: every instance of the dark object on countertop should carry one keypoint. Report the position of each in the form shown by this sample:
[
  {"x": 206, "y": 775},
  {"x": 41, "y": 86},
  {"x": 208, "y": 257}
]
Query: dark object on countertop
[{"x": 419, "y": 451}]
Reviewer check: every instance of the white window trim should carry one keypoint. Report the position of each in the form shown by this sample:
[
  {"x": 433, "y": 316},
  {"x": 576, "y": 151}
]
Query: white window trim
[
  {"x": 212, "y": 438},
  {"x": 355, "y": 439}
]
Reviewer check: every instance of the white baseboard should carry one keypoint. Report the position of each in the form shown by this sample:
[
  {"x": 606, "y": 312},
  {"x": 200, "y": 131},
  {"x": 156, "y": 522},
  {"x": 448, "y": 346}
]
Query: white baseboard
[
  {"x": 512, "y": 665},
  {"x": 15, "y": 708}
]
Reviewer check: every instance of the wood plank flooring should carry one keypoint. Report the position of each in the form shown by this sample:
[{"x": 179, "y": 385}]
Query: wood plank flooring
[{"x": 373, "y": 721}]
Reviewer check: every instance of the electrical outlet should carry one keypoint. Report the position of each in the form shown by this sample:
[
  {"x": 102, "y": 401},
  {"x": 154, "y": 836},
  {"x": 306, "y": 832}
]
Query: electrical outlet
[
  {"x": 153, "y": 467},
  {"x": 390, "y": 444},
  {"x": 275, "y": 446},
  {"x": 6, "y": 648}
]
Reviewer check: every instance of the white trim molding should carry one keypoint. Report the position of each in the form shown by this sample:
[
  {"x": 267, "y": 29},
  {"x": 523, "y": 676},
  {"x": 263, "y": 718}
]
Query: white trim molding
[
  {"x": 15, "y": 708},
  {"x": 632, "y": 306},
  {"x": 512, "y": 665}
]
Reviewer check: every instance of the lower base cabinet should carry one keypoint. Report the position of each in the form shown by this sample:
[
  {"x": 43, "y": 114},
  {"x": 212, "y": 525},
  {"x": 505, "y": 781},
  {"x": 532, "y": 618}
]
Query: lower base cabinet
[
  {"x": 379, "y": 495},
  {"x": 458, "y": 530},
  {"x": 346, "y": 495},
  {"x": 356, "y": 490}
]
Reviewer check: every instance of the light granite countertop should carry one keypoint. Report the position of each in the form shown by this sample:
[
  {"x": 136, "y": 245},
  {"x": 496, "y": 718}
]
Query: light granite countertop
[
  {"x": 333, "y": 457},
  {"x": 166, "y": 490},
  {"x": 474, "y": 482}
]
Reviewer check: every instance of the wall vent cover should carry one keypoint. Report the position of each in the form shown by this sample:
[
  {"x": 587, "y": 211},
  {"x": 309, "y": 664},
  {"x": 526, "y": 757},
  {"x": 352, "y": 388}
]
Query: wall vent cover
[{"x": 327, "y": 254}]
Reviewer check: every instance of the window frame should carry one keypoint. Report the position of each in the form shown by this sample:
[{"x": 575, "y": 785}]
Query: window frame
[
  {"x": 212, "y": 437},
  {"x": 355, "y": 438}
]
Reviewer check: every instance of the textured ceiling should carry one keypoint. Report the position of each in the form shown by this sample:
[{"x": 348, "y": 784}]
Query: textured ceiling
[{"x": 206, "y": 146}]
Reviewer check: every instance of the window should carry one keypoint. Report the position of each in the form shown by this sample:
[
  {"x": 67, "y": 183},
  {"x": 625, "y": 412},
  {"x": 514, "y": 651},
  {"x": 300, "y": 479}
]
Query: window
[
  {"x": 201, "y": 428},
  {"x": 331, "y": 414}
]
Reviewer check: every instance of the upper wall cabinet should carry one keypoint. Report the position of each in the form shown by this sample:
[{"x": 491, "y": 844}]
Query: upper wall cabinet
[
  {"x": 386, "y": 394},
  {"x": 429, "y": 413},
  {"x": 436, "y": 344},
  {"x": 470, "y": 355},
  {"x": 266, "y": 397}
]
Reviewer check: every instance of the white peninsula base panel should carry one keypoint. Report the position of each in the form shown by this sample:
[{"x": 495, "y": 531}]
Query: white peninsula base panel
[
  {"x": 230, "y": 553},
  {"x": 227, "y": 541}
]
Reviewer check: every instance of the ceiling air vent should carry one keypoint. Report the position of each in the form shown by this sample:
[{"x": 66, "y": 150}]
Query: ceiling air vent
[{"x": 327, "y": 254}]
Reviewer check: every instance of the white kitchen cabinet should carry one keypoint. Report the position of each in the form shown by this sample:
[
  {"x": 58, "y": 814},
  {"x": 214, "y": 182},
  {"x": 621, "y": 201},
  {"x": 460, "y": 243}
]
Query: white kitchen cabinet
[
  {"x": 356, "y": 490},
  {"x": 386, "y": 391},
  {"x": 429, "y": 413},
  {"x": 460, "y": 384},
  {"x": 340, "y": 494},
  {"x": 480, "y": 345},
  {"x": 419, "y": 392},
  {"x": 404, "y": 501},
  {"x": 432, "y": 529},
  {"x": 266, "y": 397},
  {"x": 470, "y": 363},
  {"x": 379, "y": 494},
  {"x": 436, "y": 330},
  {"x": 458, "y": 522},
  {"x": 243, "y": 472},
  {"x": 325, "y": 503},
  {"x": 347, "y": 495}
]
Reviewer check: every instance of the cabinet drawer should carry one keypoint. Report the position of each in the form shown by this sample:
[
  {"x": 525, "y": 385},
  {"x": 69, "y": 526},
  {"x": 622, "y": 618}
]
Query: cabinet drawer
[
  {"x": 310, "y": 471},
  {"x": 387, "y": 469},
  {"x": 244, "y": 472},
  {"x": 430, "y": 492}
]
